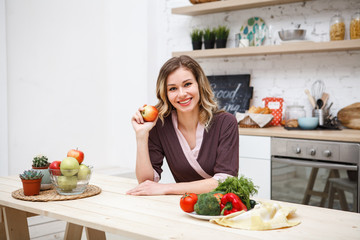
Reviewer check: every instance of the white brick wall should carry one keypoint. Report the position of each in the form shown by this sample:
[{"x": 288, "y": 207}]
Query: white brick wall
[{"x": 277, "y": 75}]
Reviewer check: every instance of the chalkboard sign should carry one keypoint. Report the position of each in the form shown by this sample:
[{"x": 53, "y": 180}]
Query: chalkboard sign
[{"x": 232, "y": 92}]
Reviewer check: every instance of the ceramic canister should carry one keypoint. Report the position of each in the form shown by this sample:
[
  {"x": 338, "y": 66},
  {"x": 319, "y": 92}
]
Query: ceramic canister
[{"x": 46, "y": 180}]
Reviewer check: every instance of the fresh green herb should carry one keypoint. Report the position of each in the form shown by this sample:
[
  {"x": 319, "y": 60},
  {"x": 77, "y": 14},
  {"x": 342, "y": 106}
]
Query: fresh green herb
[
  {"x": 242, "y": 186},
  {"x": 209, "y": 34},
  {"x": 222, "y": 32},
  {"x": 196, "y": 35}
]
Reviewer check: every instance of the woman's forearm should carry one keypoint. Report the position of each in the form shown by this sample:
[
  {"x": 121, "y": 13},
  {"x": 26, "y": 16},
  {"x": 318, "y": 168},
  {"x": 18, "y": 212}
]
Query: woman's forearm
[
  {"x": 144, "y": 170},
  {"x": 200, "y": 186}
]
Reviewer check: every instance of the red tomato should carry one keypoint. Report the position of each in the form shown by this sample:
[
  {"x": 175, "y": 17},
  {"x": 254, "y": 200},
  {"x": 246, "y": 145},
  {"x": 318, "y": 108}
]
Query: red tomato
[
  {"x": 149, "y": 113},
  {"x": 218, "y": 196},
  {"x": 188, "y": 201},
  {"x": 77, "y": 154},
  {"x": 55, "y": 168}
]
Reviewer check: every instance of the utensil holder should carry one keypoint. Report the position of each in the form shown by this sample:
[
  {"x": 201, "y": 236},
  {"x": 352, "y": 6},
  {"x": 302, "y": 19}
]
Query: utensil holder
[{"x": 321, "y": 114}]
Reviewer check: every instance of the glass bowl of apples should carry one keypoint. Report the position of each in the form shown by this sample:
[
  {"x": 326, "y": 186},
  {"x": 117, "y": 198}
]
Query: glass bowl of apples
[{"x": 71, "y": 178}]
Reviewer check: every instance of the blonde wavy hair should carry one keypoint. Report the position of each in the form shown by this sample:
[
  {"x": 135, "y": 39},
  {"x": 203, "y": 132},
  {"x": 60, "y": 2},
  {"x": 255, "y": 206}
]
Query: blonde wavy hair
[{"x": 207, "y": 103}]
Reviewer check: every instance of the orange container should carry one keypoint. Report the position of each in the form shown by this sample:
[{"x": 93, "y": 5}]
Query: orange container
[{"x": 276, "y": 106}]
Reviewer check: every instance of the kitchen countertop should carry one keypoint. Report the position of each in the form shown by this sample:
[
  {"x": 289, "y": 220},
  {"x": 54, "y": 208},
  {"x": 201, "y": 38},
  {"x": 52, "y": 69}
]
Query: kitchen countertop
[
  {"x": 158, "y": 217},
  {"x": 344, "y": 135}
]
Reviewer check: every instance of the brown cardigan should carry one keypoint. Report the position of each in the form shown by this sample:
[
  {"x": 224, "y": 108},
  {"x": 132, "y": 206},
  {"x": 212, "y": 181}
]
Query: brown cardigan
[{"x": 219, "y": 152}]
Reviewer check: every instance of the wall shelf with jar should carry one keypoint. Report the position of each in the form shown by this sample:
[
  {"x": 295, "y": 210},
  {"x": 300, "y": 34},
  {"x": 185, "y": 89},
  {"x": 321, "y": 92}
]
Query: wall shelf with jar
[
  {"x": 336, "y": 32},
  {"x": 287, "y": 48}
]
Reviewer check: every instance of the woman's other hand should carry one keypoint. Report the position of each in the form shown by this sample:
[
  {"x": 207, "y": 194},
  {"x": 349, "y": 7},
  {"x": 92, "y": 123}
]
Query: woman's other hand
[{"x": 148, "y": 188}]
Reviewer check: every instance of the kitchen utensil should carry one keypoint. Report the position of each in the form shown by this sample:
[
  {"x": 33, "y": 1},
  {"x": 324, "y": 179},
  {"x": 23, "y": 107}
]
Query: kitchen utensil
[
  {"x": 292, "y": 34},
  {"x": 308, "y": 123},
  {"x": 321, "y": 114},
  {"x": 311, "y": 99},
  {"x": 328, "y": 108},
  {"x": 319, "y": 103},
  {"x": 317, "y": 89},
  {"x": 349, "y": 116},
  {"x": 324, "y": 99}
]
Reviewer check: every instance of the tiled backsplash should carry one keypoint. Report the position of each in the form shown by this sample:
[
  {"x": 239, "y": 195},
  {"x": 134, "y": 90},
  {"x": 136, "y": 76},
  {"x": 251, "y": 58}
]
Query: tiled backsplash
[{"x": 283, "y": 76}]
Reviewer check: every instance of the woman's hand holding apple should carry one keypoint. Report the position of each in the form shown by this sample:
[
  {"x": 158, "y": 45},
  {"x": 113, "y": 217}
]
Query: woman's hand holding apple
[{"x": 142, "y": 127}]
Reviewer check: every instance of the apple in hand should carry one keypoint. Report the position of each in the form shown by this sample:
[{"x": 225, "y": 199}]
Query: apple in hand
[
  {"x": 55, "y": 168},
  {"x": 149, "y": 113},
  {"x": 69, "y": 166},
  {"x": 77, "y": 154},
  {"x": 67, "y": 183},
  {"x": 84, "y": 172}
]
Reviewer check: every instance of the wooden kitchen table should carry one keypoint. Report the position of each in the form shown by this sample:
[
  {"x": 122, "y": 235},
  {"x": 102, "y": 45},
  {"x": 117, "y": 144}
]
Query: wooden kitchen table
[{"x": 156, "y": 217}]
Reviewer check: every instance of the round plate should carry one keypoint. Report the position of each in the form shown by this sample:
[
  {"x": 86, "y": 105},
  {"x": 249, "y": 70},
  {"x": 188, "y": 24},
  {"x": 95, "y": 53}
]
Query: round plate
[
  {"x": 254, "y": 25},
  {"x": 203, "y": 217}
]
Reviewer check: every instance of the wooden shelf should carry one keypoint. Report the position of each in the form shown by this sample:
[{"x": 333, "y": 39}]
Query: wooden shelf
[
  {"x": 288, "y": 48},
  {"x": 227, "y": 5}
]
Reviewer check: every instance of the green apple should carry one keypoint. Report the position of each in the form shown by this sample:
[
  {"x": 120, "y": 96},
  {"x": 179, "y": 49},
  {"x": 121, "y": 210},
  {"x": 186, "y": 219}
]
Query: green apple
[
  {"x": 67, "y": 183},
  {"x": 69, "y": 166},
  {"x": 84, "y": 172}
]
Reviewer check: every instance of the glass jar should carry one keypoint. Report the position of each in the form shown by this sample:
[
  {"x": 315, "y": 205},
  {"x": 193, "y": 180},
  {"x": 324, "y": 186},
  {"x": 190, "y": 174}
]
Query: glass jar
[
  {"x": 292, "y": 114},
  {"x": 337, "y": 28},
  {"x": 355, "y": 26}
]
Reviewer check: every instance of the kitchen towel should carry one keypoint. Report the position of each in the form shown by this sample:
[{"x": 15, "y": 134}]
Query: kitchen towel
[
  {"x": 261, "y": 120},
  {"x": 265, "y": 216}
]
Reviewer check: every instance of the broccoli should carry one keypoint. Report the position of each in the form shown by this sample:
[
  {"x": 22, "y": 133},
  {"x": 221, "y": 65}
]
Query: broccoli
[{"x": 207, "y": 204}]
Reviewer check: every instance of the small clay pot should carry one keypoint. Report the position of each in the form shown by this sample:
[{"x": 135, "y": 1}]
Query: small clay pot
[{"x": 31, "y": 187}]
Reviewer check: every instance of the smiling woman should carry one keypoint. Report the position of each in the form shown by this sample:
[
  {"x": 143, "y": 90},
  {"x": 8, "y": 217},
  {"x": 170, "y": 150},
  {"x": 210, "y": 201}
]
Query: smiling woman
[{"x": 199, "y": 141}]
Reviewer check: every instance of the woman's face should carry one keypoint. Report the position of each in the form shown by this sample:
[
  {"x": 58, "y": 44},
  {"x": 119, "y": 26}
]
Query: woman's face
[{"x": 183, "y": 90}]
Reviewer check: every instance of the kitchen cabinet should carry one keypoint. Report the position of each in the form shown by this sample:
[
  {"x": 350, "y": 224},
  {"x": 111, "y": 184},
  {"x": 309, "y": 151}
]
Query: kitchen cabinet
[{"x": 254, "y": 162}]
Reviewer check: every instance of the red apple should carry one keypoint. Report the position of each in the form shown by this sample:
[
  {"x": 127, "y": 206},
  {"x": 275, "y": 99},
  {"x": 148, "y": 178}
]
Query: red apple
[
  {"x": 55, "y": 168},
  {"x": 149, "y": 113},
  {"x": 77, "y": 154}
]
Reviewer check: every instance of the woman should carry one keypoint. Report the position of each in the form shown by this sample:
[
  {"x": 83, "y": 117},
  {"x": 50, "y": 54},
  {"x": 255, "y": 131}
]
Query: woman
[{"x": 199, "y": 141}]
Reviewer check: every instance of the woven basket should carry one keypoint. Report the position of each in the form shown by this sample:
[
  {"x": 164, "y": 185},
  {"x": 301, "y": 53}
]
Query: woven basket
[{"x": 52, "y": 195}]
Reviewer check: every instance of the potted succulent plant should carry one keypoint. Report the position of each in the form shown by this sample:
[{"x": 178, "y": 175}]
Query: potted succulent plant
[
  {"x": 196, "y": 38},
  {"x": 31, "y": 181},
  {"x": 222, "y": 34},
  {"x": 209, "y": 38},
  {"x": 41, "y": 164}
]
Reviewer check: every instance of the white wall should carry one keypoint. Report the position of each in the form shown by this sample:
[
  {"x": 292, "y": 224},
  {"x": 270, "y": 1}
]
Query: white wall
[
  {"x": 77, "y": 71},
  {"x": 4, "y": 164}
]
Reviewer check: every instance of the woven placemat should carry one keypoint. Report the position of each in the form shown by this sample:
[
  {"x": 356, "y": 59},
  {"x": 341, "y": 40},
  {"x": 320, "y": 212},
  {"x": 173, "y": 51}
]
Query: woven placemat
[{"x": 52, "y": 195}]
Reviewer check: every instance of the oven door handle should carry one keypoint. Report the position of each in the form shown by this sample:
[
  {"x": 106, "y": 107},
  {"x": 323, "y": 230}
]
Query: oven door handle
[{"x": 314, "y": 164}]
